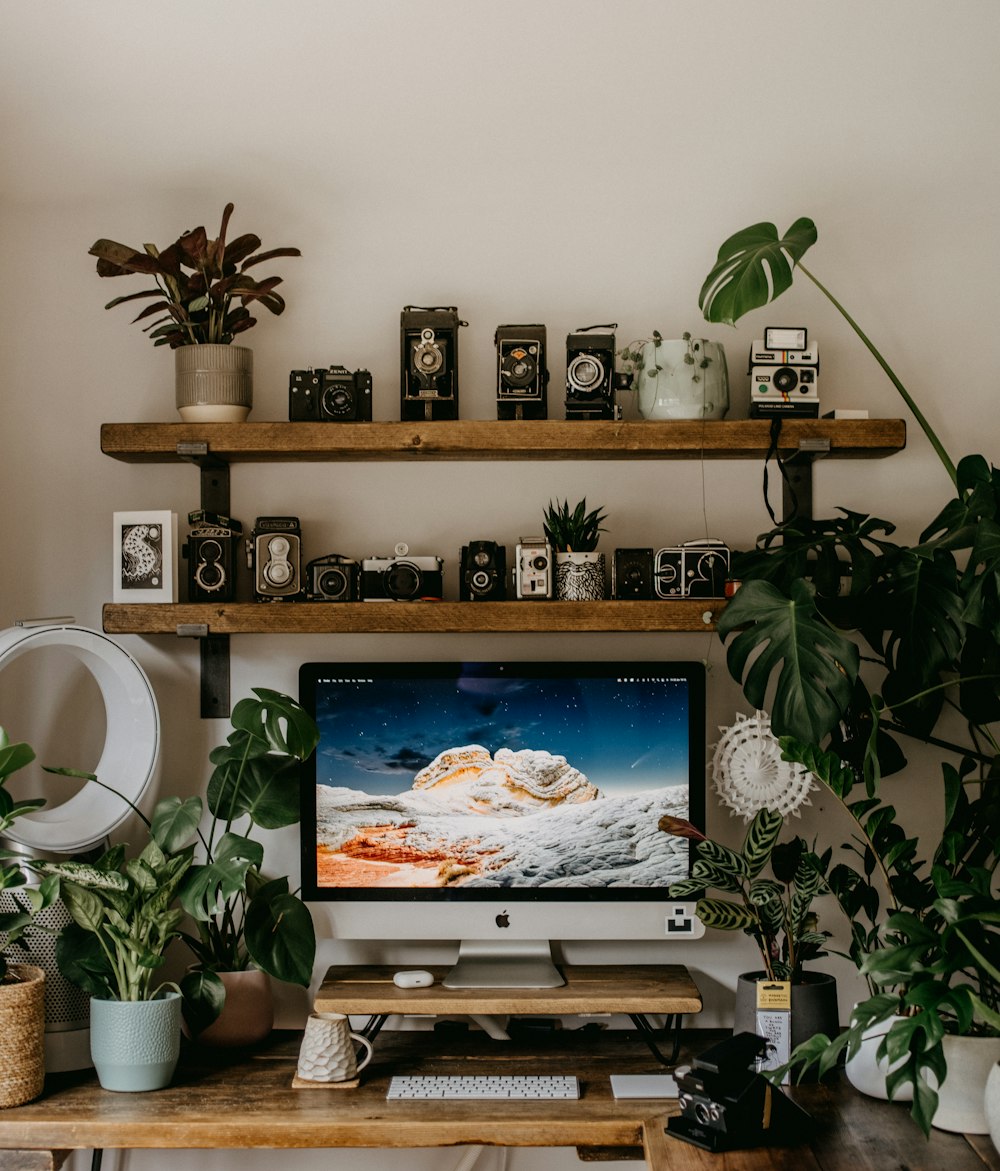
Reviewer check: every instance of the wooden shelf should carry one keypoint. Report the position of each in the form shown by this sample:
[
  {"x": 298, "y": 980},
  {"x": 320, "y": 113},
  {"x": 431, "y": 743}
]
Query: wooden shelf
[
  {"x": 412, "y": 617},
  {"x": 490, "y": 439}
]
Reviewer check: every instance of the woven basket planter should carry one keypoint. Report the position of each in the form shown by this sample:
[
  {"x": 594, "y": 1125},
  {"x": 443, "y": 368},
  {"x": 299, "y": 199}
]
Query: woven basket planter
[{"x": 22, "y": 1037}]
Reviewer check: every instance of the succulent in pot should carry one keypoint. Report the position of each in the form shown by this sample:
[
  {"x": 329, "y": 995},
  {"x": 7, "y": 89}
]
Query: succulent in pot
[{"x": 573, "y": 535}]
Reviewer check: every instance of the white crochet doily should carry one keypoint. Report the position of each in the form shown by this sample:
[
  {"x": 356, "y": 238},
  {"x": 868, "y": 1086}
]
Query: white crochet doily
[{"x": 749, "y": 774}]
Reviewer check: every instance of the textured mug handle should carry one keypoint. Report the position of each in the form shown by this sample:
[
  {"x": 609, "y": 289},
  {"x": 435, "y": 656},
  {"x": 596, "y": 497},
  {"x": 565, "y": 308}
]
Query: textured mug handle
[{"x": 368, "y": 1045}]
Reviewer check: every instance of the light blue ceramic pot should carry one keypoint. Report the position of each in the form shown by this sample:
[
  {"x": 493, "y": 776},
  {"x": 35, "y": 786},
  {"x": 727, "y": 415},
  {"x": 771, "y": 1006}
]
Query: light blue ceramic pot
[{"x": 135, "y": 1044}]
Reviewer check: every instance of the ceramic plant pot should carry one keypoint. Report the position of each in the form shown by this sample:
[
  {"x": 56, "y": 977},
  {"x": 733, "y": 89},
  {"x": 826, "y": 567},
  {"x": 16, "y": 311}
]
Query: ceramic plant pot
[
  {"x": 673, "y": 383},
  {"x": 248, "y": 1013},
  {"x": 992, "y": 1104},
  {"x": 580, "y": 577},
  {"x": 135, "y": 1043},
  {"x": 962, "y": 1095},
  {"x": 22, "y": 1035},
  {"x": 214, "y": 383},
  {"x": 867, "y": 1073},
  {"x": 814, "y": 1006}
]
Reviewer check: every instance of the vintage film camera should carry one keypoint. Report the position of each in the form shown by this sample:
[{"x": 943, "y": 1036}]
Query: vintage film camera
[
  {"x": 482, "y": 572},
  {"x": 333, "y": 578},
  {"x": 591, "y": 380},
  {"x": 429, "y": 363},
  {"x": 333, "y": 395},
  {"x": 696, "y": 569},
  {"x": 726, "y": 1105},
  {"x": 274, "y": 555},
  {"x": 402, "y": 578},
  {"x": 784, "y": 375},
  {"x": 632, "y": 574},
  {"x": 211, "y": 556},
  {"x": 522, "y": 377},
  {"x": 533, "y": 576}
]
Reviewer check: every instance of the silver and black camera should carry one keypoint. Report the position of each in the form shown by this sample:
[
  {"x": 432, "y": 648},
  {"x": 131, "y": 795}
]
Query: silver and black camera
[
  {"x": 333, "y": 395},
  {"x": 522, "y": 377},
  {"x": 533, "y": 576},
  {"x": 333, "y": 578},
  {"x": 402, "y": 578},
  {"x": 696, "y": 569},
  {"x": 591, "y": 379},
  {"x": 429, "y": 363},
  {"x": 274, "y": 555},
  {"x": 727, "y": 1105},
  {"x": 211, "y": 556},
  {"x": 632, "y": 574},
  {"x": 482, "y": 572},
  {"x": 784, "y": 375}
]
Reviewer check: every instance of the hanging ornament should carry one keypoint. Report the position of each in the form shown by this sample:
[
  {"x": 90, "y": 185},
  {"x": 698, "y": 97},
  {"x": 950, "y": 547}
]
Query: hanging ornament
[{"x": 749, "y": 774}]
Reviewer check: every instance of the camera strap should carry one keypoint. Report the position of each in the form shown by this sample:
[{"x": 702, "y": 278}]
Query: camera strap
[{"x": 772, "y": 453}]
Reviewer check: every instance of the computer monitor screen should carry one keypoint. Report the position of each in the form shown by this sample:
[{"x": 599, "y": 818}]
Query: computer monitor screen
[{"x": 448, "y": 784}]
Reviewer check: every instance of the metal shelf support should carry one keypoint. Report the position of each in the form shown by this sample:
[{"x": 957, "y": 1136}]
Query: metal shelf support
[{"x": 797, "y": 482}]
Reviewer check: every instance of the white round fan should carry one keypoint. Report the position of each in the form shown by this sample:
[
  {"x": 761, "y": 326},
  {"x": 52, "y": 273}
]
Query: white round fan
[{"x": 749, "y": 774}]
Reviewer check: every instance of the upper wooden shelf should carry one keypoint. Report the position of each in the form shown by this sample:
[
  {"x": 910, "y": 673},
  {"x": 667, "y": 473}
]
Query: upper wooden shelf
[{"x": 492, "y": 439}]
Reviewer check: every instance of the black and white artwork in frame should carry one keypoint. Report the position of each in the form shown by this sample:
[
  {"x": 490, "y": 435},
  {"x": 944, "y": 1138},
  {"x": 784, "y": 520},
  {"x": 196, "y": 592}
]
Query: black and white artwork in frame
[{"x": 145, "y": 565}]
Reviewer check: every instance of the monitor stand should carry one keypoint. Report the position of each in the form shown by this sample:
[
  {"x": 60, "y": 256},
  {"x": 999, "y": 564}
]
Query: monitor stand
[{"x": 514, "y": 963}]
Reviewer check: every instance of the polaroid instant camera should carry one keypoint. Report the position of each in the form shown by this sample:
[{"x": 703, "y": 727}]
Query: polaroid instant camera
[{"x": 784, "y": 375}]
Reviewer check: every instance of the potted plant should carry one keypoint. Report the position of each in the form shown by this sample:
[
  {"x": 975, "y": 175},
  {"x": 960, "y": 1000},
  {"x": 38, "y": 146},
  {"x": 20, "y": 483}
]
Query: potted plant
[
  {"x": 124, "y": 919},
  {"x": 199, "y": 305},
  {"x": 775, "y": 910},
  {"x": 928, "y": 620},
  {"x": 681, "y": 378},
  {"x": 573, "y": 535},
  {"x": 22, "y": 985}
]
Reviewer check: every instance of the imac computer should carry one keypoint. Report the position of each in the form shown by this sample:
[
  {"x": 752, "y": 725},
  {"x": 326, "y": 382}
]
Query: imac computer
[{"x": 504, "y": 805}]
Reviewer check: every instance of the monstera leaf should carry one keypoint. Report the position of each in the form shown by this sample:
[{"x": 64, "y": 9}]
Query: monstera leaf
[
  {"x": 813, "y": 668},
  {"x": 753, "y": 268}
]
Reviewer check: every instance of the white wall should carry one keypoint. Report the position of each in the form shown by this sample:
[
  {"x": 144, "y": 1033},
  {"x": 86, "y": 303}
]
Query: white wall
[{"x": 546, "y": 161}]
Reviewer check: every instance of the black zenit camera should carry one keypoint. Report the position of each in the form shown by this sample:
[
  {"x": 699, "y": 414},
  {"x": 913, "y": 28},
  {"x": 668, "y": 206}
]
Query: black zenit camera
[
  {"x": 333, "y": 395},
  {"x": 632, "y": 574},
  {"x": 428, "y": 363},
  {"x": 211, "y": 556},
  {"x": 726, "y": 1105},
  {"x": 591, "y": 380},
  {"x": 402, "y": 578},
  {"x": 333, "y": 578},
  {"x": 274, "y": 555},
  {"x": 482, "y": 572},
  {"x": 522, "y": 377},
  {"x": 696, "y": 569}
]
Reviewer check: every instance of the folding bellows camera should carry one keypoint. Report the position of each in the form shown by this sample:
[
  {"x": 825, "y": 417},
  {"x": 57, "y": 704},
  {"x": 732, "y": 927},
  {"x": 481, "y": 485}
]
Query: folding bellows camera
[{"x": 428, "y": 363}]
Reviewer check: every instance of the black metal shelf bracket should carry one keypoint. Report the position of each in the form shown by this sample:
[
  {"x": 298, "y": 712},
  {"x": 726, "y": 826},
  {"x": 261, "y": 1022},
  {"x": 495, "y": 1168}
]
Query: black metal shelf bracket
[{"x": 797, "y": 481}]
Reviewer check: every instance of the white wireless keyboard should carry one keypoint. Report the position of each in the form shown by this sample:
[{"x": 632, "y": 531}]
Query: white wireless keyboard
[{"x": 472, "y": 1087}]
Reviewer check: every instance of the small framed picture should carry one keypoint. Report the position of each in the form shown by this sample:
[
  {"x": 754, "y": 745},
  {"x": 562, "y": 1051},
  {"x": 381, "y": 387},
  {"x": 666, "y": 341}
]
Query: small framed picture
[{"x": 145, "y": 565}]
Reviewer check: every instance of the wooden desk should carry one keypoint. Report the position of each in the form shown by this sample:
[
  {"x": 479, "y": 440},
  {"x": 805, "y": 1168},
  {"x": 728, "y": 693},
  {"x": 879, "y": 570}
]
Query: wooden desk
[{"x": 221, "y": 1101}]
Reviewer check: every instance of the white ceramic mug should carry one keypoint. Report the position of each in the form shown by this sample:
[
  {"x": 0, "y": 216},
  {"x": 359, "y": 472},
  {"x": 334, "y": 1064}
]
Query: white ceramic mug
[{"x": 327, "y": 1051}]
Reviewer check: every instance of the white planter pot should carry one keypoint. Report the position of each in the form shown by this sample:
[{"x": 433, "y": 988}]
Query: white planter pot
[
  {"x": 962, "y": 1096},
  {"x": 992, "y": 1104},
  {"x": 580, "y": 577},
  {"x": 214, "y": 383},
  {"x": 866, "y": 1073},
  {"x": 671, "y": 387}
]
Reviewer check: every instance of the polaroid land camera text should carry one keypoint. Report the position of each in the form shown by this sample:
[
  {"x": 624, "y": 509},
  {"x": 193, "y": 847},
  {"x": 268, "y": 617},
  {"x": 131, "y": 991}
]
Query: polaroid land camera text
[{"x": 784, "y": 375}]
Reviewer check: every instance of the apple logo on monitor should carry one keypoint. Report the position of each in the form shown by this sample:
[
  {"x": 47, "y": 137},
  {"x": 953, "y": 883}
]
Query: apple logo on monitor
[{"x": 503, "y": 919}]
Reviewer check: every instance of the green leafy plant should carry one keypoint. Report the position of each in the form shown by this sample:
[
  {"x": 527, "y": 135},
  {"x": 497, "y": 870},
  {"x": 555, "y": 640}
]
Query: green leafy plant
[
  {"x": 774, "y": 910},
  {"x": 202, "y": 287},
  {"x": 123, "y": 909},
  {"x": 633, "y": 357},
  {"x": 29, "y": 900},
  {"x": 575, "y": 531}
]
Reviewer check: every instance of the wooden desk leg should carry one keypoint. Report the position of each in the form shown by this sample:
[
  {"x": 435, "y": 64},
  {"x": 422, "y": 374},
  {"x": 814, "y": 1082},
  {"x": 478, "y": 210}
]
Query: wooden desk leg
[{"x": 33, "y": 1160}]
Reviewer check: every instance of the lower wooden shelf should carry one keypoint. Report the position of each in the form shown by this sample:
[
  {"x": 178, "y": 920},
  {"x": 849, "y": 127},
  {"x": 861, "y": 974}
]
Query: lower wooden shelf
[{"x": 412, "y": 617}]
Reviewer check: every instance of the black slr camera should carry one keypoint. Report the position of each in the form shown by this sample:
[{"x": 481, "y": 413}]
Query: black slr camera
[
  {"x": 726, "y": 1105},
  {"x": 522, "y": 377},
  {"x": 591, "y": 381},
  {"x": 696, "y": 569},
  {"x": 632, "y": 574},
  {"x": 211, "y": 556},
  {"x": 428, "y": 363},
  {"x": 333, "y": 395},
  {"x": 274, "y": 554},
  {"x": 402, "y": 578},
  {"x": 482, "y": 572},
  {"x": 333, "y": 578}
]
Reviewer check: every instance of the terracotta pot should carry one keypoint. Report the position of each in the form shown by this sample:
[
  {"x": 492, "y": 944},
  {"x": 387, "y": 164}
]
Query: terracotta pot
[
  {"x": 22, "y": 1035},
  {"x": 248, "y": 1014},
  {"x": 214, "y": 383}
]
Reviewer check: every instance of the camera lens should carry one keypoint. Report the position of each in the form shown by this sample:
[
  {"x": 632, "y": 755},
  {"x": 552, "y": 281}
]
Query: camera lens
[
  {"x": 480, "y": 581},
  {"x": 703, "y": 1113},
  {"x": 332, "y": 583},
  {"x": 518, "y": 368},
  {"x": 428, "y": 357},
  {"x": 785, "y": 379},
  {"x": 585, "y": 372},
  {"x": 539, "y": 562},
  {"x": 337, "y": 400},
  {"x": 402, "y": 580}
]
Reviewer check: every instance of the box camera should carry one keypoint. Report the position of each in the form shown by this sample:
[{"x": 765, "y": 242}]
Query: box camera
[
  {"x": 696, "y": 569},
  {"x": 402, "y": 578},
  {"x": 429, "y": 363},
  {"x": 333, "y": 578},
  {"x": 211, "y": 556},
  {"x": 482, "y": 572},
  {"x": 784, "y": 375},
  {"x": 333, "y": 395},
  {"x": 274, "y": 554},
  {"x": 632, "y": 574},
  {"x": 533, "y": 568},
  {"x": 591, "y": 381},
  {"x": 522, "y": 377},
  {"x": 726, "y": 1105}
]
